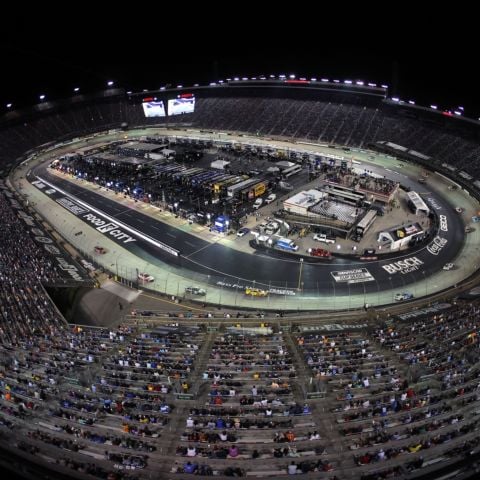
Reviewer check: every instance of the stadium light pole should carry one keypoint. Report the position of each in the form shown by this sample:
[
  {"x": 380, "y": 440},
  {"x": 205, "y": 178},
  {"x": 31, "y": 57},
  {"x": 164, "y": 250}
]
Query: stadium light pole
[
  {"x": 116, "y": 265},
  {"x": 300, "y": 274},
  {"x": 349, "y": 296},
  {"x": 334, "y": 295}
]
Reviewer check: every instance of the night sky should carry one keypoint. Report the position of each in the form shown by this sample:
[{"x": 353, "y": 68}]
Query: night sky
[{"x": 420, "y": 59}]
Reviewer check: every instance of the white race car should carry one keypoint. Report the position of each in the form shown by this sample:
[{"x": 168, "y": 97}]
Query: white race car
[{"x": 145, "y": 277}]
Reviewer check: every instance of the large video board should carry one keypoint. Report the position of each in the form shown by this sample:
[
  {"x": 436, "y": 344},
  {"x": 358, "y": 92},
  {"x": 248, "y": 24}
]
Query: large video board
[
  {"x": 180, "y": 105},
  {"x": 153, "y": 109}
]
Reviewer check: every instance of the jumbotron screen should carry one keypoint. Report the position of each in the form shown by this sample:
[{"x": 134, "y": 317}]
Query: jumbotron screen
[
  {"x": 181, "y": 104},
  {"x": 154, "y": 109}
]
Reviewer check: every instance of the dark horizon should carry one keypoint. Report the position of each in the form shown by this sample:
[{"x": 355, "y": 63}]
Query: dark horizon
[{"x": 418, "y": 59}]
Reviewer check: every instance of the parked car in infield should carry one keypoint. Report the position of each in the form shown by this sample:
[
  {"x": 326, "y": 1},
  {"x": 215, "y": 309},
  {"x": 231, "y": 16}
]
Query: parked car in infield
[
  {"x": 319, "y": 252},
  {"x": 243, "y": 231}
]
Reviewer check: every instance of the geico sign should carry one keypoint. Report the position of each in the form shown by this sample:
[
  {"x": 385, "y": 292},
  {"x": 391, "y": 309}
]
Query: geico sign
[
  {"x": 110, "y": 228},
  {"x": 437, "y": 244},
  {"x": 443, "y": 223},
  {"x": 403, "y": 266}
]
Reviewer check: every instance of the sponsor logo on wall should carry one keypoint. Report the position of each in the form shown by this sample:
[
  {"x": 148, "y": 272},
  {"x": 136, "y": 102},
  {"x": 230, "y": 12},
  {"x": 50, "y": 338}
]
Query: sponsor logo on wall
[
  {"x": 26, "y": 218},
  {"x": 333, "y": 327},
  {"x": 52, "y": 249},
  {"x": 71, "y": 270},
  {"x": 272, "y": 290},
  {"x": 424, "y": 311}
]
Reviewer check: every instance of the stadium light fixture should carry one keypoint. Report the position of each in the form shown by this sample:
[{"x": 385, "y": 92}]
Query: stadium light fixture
[
  {"x": 110, "y": 83},
  {"x": 179, "y": 86},
  {"x": 411, "y": 102},
  {"x": 244, "y": 78},
  {"x": 395, "y": 99},
  {"x": 291, "y": 77},
  {"x": 372, "y": 84},
  {"x": 212, "y": 84},
  {"x": 42, "y": 97},
  {"x": 236, "y": 79},
  {"x": 433, "y": 107},
  {"x": 76, "y": 89},
  {"x": 9, "y": 105},
  {"x": 359, "y": 82},
  {"x": 347, "y": 81},
  {"x": 272, "y": 76},
  {"x": 457, "y": 112},
  {"x": 384, "y": 86},
  {"x": 129, "y": 92},
  {"x": 461, "y": 108},
  {"x": 313, "y": 79},
  {"x": 196, "y": 85},
  {"x": 325, "y": 80},
  {"x": 336, "y": 81}
]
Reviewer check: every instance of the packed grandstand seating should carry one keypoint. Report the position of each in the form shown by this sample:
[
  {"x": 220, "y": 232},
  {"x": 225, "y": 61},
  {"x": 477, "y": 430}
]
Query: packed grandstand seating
[
  {"x": 147, "y": 399},
  {"x": 343, "y": 121}
]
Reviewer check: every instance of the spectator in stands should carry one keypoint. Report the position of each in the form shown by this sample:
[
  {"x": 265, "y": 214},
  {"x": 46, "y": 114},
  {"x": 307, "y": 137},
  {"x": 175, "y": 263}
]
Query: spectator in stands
[
  {"x": 190, "y": 467},
  {"x": 233, "y": 451}
]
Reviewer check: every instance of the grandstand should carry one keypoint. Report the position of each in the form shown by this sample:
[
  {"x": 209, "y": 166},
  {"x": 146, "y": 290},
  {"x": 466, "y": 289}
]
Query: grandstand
[{"x": 162, "y": 395}]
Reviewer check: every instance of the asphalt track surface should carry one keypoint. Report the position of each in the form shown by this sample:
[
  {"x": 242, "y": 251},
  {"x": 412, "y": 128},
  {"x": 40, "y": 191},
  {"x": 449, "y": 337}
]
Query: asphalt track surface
[{"x": 222, "y": 265}]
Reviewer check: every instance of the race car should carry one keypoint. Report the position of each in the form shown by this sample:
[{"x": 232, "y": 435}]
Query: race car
[
  {"x": 145, "y": 277},
  {"x": 100, "y": 250},
  {"x": 403, "y": 296},
  {"x": 195, "y": 290},
  {"x": 255, "y": 292}
]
